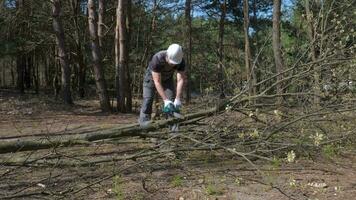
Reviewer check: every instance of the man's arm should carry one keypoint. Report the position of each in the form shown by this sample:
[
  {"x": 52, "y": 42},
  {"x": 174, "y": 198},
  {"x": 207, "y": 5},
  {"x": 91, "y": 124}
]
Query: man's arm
[
  {"x": 157, "y": 80},
  {"x": 181, "y": 80}
]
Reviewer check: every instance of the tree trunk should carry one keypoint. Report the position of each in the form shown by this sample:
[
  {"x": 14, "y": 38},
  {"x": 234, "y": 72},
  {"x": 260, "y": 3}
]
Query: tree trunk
[
  {"x": 3, "y": 79},
  {"x": 79, "y": 57},
  {"x": 277, "y": 48},
  {"x": 188, "y": 24},
  {"x": 101, "y": 22},
  {"x": 20, "y": 59},
  {"x": 35, "y": 143},
  {"x": 117, "y": 58},
  {"x": 12, "y": 73},
  {"x": 310, "y": 32},
  {"x": 20, "y": 66},
  {"x": 128, "y": 44},
  {"x": 221, "y": 50},
  {"x": 250, "y": 77},
  {"x": 122, "y": 75},
  {"x": 36, "y": 74},
  {"x": 62, "y": 54},
  {"x": 28, "y": 71},
  {"x": 98, "y": 70}
]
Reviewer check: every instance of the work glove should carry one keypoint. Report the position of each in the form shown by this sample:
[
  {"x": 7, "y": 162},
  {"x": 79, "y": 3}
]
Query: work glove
[
  {"x": 177, "y": 104},
  {"x": 168, "y": 106},
  {"x": 167, "y": 103}
]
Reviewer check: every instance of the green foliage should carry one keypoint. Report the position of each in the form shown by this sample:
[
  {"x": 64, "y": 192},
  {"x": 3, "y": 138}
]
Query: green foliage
[
  {"x": 276, "y": 162},
  {"x": 118, "y": 188},
  {"x": 329, "y": 151},
  {"x": 212, "y": 189},
  {"x": 177, "y": 181}
]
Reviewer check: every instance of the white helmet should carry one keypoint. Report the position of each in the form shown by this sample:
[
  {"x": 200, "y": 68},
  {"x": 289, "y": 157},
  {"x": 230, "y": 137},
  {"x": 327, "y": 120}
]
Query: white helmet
[{"x": 175, "y": 54}]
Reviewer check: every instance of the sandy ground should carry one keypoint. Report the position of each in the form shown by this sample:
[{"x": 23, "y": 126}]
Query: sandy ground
[{"x": 195, "y": 175}]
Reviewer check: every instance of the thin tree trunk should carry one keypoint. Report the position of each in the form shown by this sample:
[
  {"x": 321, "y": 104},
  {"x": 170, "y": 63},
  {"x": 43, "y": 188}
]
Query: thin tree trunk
[
  {"x": 101, "y": 22},
  {"x": 221, "y": 50},
  {"x": 20, "y": 58},
  {"x": 36, "y": 74},
  {"x": 62, "y": 54},
  {"x": 257, "y": 73},
  {"x": 310, "y": 32},
  {"x": 28, "y": 70},
  {"x": 20, "y": 65},
  {"x": 122, "y": 66},
  {"x": 249, "y": 71},
  {"x": 3, "y": 79},
  {"x": 12, "y": 73},
  {"x": 277, "y": 48},
  {"x": 117, "y": 58},
  {"x": 98, "y": 70},
  {"x": 128, "y": 44},
  {"x": 188, "y": 24},
  {"x": 79, "y": 57}
]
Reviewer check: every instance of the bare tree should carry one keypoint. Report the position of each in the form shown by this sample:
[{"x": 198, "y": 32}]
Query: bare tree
[
  {"x": 75, "y": 6},
  {"x": 123, "y": 87},
  {"x": 20, "y": 59},
  {"x": 188, "y": 24},
  {"x": 221, "y": 49},
  {"x": 98, "y": 69},
  {"x": 310, "y": 33},
  {"x": 277, "y": 48},
  {"x": 249, "y": 71},
  {"x": 101, "y": 22},
  {"x": 62, "y": 53}
]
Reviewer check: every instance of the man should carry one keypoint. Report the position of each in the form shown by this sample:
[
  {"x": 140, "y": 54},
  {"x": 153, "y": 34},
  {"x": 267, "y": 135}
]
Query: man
[{"x": 159, "y": 76}]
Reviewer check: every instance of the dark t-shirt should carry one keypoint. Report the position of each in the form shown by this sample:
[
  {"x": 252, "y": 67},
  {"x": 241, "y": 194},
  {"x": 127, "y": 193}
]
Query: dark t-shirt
[{"x": 159, "y": 64}]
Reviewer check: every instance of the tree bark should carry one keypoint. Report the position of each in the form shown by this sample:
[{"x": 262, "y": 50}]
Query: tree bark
[
  {"x": 28, "y": 71},
  {"x": 250, "y": 77},
  {"x": 101, "y": 22},
  {"x": 3, "y": 79},
  {"x": 188, "y": 24},
  {"x": 117, "y": 58},
  {"x": 128, "y": 44},
  {"x": 62, "y": 54},
  {"x": 20, "y": 58},
  {"x": 35, "y": 143},
  {"x": 221, "y": 50},
  {"x": 20, "y": 65},
  {"x": 277, "y": 47},
  {"x": 122, "y": 75},
  {"x": 80, "y": 56},
  {"x": 98, "y": 69},
  {"x": 317, "y": 73}
]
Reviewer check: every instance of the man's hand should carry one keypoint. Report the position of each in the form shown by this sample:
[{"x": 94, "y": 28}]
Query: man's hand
[
  {"x": 167, "y": 102},
  {"x": 177, "y": 104}
]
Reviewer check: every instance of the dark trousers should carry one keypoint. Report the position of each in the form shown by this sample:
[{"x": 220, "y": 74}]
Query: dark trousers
[{"x": 149, "y": 91}]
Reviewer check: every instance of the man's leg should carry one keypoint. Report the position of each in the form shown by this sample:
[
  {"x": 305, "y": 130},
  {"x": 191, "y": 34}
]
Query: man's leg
[{"x": 148, "y": 96}]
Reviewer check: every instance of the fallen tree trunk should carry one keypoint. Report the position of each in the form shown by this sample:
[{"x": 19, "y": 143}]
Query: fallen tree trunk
[{"x": 36, "y": 143}]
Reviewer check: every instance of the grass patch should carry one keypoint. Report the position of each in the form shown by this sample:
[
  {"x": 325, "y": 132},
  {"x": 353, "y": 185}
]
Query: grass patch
[
  {"x": 177, "y": 181},
  {"x": 212, "y": 189},
  {"x": 118, "y": 188}
]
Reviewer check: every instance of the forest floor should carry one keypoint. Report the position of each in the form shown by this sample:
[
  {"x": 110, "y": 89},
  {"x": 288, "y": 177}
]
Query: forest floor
[{"x": 187, "y": 175}]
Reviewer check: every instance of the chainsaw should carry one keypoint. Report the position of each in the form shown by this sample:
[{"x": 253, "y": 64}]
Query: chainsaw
[{"x": 172, "y": 112}]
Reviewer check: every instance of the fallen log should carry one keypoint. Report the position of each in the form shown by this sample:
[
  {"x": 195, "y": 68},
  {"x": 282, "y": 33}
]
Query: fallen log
[{"x": 47, "y": 142}]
